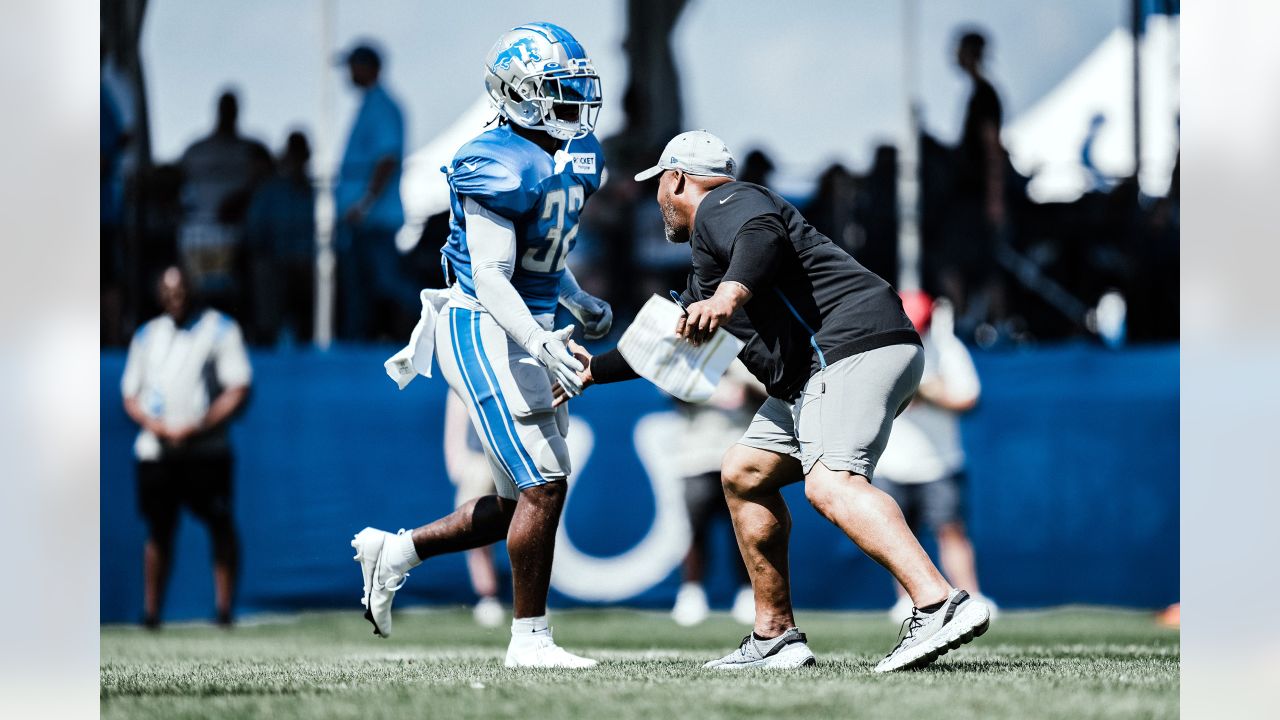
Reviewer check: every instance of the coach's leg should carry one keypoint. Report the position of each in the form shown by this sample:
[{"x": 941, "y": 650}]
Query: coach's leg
[
  {"x": 531, "y": 543},
  {"x": 752, "y": 480},
  {"x": 872, "y": 520}
]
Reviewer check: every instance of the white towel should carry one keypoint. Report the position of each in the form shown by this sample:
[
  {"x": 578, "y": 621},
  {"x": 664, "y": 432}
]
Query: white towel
[{"x": 415, "y": 358}]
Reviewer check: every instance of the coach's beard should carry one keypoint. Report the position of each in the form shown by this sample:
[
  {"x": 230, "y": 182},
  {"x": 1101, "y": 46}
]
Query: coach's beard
[{"x": 670, "y": 225}]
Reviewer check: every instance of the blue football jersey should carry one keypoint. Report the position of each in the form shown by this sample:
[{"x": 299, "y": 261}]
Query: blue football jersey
[{"x": 512, "y": 177}]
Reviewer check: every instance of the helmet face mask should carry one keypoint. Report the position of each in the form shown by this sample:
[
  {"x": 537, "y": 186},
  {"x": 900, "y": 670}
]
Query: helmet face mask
[{"x": 539, "y": 77}]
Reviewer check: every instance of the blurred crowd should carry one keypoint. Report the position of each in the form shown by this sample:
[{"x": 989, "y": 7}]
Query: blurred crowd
[
  {"x": 240, "y": 217},
  {"x": 223, "y": 248}
]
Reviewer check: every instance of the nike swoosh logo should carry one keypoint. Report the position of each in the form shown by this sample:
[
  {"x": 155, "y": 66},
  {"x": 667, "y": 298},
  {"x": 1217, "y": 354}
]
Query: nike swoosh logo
[{"x": 735, "y": 192}]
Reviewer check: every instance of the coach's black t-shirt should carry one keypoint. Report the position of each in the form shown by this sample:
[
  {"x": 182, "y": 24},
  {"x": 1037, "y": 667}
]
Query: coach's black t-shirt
[{"x": 803, "y": 285}]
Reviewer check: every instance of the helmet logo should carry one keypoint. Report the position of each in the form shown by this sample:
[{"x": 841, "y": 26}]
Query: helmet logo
[{"x": 523, "y": 50}]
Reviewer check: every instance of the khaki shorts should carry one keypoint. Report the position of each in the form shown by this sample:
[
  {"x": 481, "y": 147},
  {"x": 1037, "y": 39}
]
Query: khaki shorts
[{"x": 845, "y": 413}]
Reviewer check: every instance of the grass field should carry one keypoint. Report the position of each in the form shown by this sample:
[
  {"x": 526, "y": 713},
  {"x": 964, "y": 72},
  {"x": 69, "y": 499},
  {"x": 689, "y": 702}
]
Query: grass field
[{"x": 1070, "y": 663}]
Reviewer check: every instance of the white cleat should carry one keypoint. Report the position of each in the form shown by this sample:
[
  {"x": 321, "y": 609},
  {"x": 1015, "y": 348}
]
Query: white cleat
[
  {"x": 380, "y": 583},
  {"x": 489, "y": 613},
  {"x": 691, "y": 605},
  {"x": 538, "y": 650}
]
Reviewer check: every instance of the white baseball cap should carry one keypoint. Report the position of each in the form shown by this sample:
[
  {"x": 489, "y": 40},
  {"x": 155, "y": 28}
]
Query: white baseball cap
[{"x": 696, "y": 152}]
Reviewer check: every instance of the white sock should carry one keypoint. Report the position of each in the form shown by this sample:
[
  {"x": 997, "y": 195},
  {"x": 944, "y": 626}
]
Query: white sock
[
  {"x": 402, "y": 554},
  {"x": 528, "y": 626}
]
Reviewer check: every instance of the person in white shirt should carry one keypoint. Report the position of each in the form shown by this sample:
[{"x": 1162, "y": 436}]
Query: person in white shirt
[
  {"x": 923, "y": 466},
  {"x": 186, "y": 375}
]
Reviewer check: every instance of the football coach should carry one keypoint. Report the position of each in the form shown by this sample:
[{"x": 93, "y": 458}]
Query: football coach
[{"x": 840, "y": 359}]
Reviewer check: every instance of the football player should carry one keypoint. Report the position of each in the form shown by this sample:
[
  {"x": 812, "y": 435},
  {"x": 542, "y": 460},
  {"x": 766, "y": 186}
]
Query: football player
[{"x": 517, "y": 191}]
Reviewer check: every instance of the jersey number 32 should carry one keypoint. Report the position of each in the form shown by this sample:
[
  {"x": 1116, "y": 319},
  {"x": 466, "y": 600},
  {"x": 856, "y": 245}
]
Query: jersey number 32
[{"x": 551, "y": 255}]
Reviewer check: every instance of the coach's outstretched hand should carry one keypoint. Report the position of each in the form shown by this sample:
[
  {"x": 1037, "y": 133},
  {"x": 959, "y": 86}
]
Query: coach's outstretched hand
[
  {"x": 553, "y": 353},
  {"x": 581, "y": 355},
  {"x": 701, "y": 319}
]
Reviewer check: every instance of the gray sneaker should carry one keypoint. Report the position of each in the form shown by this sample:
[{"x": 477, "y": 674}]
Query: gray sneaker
[
  {"x": 928, "y": 636},
  {"x": 788, "y": 650}
]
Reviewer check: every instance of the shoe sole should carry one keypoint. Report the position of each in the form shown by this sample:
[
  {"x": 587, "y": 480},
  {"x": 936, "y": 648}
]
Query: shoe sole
[
  {"x": 781, "y": 661},
  {"x": 369, "y": 569},
  {"x": 968, "y": 626}
]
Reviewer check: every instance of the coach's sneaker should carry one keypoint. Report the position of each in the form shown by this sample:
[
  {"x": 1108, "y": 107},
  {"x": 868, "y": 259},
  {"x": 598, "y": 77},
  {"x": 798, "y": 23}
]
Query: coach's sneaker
[
  {"x": 381, "y": 579},
  {"x": 539, "y": 650},
  {"x": 788, "y": 650},
  {"x": 928, "y": 636}
]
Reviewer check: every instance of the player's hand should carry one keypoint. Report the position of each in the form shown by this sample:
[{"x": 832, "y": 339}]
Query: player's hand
[
  {"x": 595, "y": 314},
  {"x": 559, "y": 396},
  {"x": 702, "y": 319},
  {"x": 564, "y": 368}
]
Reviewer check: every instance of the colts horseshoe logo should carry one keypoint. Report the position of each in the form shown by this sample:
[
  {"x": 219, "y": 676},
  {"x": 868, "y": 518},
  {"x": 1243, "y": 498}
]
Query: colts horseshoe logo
[{"x": 663, "y": 547}]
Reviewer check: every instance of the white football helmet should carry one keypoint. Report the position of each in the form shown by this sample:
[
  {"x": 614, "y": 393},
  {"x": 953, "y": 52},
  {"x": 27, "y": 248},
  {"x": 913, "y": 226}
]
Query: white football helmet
[{"x": 538, "y": 76}]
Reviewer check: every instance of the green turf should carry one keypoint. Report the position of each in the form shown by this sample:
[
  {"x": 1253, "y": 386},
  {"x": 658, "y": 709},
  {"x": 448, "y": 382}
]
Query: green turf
[{"x": 1072, "y": 663}]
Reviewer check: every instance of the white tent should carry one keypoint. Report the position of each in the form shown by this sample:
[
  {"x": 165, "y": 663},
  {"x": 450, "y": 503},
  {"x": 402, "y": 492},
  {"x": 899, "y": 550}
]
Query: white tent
[
  {"x": 423, "y": 188},
  {"x": 1046, "y": 140}
]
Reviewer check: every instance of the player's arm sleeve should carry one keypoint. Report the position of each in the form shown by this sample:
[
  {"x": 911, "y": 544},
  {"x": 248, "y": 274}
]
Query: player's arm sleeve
[
  {"x": 491, "y": 239},
  {"x": 568, "y": 284},
  {"x": 753, "y": 256},
  {"x": 611, "y": 367}
]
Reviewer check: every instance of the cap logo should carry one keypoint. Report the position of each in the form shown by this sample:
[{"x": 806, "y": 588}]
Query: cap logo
[{"x": 673, "y": 160}]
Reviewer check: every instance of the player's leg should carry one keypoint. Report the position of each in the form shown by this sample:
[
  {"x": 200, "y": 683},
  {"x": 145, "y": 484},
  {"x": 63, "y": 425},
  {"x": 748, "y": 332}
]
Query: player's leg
[
  {"x": 158, "y": 504},
  {"x": 843, "y": 424},
  {"x": 386, "y": 559},
  {"x": 513, "y": 393},
  {"x": 531, "y": 542},
  {"x": 753, "y": 473}
]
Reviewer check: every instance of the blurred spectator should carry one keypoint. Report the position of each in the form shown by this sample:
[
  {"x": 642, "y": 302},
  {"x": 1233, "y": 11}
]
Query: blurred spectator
[
  {"x": 186, "y": 375},
  {"x": 471, "y": 474},
  {"x": 712, "y": 428},
  {"x": 923, "y": 465},
  {"x": 219, "y": 175},
  {"x": 756, "y": 168},
  {"x": 832, "y": 207},
  {"x": 877, "y": 215},
  {"x": 367, "y": 198},
  {"x": 976, "y": 218},
  {"x": 113, "y": 137},
  {"x": 280, "y": 235}
]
